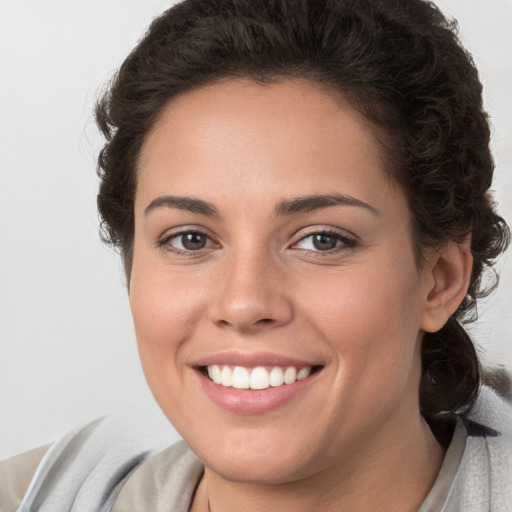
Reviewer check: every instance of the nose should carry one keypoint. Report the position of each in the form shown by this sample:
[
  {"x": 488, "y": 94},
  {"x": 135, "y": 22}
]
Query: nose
[{"x": 251, "y": 295}]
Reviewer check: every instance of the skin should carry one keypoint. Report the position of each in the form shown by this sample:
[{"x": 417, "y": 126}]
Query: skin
[{"x": 354, "y": 439}]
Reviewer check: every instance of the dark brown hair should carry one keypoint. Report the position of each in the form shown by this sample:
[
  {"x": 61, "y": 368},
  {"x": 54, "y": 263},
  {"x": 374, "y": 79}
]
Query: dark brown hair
[{"x": 398, "y": 62}]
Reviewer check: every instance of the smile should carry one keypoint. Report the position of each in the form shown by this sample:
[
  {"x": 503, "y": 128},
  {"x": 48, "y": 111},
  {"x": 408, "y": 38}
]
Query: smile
[
  {"x": 255, "y": 384},
  {"x": 258, "y": 378}
]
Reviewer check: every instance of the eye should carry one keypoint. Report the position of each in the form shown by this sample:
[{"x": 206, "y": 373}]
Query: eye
[
  {"x": 187, "y": 241},
  {"x": 324, "y": 241}
]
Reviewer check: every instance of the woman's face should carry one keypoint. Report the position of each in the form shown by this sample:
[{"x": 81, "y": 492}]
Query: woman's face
[{"x": 270, "y": 244}]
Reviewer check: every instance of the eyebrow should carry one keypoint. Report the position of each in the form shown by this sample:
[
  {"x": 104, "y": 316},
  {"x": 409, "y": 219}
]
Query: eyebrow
[
  {"x": 298, "y": 205},
  {"x": 318, "y": 202},
  {"x": 183, "y": 203}
]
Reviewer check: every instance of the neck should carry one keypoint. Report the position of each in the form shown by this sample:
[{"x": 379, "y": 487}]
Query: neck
[{"x": 396, "y": 471}]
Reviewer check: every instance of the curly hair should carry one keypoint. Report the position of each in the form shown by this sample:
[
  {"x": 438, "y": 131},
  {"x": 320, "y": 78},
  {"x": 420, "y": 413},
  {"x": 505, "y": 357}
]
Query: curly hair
[{"x": 398, "y": 62}]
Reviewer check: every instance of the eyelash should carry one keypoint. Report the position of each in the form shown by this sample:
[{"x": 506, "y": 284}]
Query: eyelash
[
  {"x": 165, "y": 242},
  {"x": 343, "y": 242}
]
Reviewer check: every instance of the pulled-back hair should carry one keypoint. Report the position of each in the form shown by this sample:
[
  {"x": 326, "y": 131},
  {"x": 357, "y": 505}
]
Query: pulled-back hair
[{"x": 398, "y": 62}]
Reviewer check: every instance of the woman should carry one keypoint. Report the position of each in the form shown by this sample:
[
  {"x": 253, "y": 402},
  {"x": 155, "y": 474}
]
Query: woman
[{"x": 300, "y": 193}]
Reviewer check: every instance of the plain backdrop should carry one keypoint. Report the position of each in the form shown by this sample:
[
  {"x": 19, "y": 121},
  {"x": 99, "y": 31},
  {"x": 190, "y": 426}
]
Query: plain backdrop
[{"x": 67, "y": 348}]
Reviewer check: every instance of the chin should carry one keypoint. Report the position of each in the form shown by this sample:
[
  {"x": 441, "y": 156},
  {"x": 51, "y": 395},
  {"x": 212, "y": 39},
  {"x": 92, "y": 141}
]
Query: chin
[
  {"x": 268, "y": 470},
  {"x": 259, "y": 459}
]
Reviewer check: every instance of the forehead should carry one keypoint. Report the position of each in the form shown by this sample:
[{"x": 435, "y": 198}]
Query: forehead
[{"x": 289, "y": 137}]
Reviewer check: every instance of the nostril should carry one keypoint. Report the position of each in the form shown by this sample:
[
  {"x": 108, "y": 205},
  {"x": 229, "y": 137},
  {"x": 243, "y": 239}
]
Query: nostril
[{"x": 246, "y": 310}]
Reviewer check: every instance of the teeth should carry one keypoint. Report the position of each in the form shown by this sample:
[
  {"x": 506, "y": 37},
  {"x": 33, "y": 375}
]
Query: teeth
[
  {"x": 239, "y": 377},
  {"x": 276, "y": 377},
  {"x": 260, "y": 378},
  {"x": 303, "y": 373},
  {"x": 214, "y": 373},
  {"x": 290, "y": 375},
  {"x": 226, "y": 376}
]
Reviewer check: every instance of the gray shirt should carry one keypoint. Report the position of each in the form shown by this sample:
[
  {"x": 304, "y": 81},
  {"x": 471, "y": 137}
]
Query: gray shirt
[{"x": 113, "y": 465}]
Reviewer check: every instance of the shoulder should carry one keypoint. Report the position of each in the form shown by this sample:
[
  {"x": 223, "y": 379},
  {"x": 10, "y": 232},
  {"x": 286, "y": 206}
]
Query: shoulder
[
  {"x": 85, "y": 469},
  {"x": 16, "y": 474},
  {"x": 484, "y": 477},
  {"x": 166, "y": 481}
]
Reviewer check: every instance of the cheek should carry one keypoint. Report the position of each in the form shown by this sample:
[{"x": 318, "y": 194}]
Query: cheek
[
  {"x": 370, "y": 315},
  {"x": 371, "y": 322},
  {"x": 165, "y": 312},
  {"x": 164, "y": 303}
]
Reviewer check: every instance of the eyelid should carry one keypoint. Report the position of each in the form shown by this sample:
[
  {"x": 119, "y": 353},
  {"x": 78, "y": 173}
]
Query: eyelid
[
  {"x": 164, "y": 239},
  {"x": 348, "y": 240}
]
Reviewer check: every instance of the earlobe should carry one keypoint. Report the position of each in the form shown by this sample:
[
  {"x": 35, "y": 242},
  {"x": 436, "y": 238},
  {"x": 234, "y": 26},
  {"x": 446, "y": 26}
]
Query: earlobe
[{"x": 449, "y": 274}]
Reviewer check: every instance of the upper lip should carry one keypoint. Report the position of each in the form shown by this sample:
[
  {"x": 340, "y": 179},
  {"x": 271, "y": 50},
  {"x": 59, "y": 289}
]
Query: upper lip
[{"x": 252, "y": 360}]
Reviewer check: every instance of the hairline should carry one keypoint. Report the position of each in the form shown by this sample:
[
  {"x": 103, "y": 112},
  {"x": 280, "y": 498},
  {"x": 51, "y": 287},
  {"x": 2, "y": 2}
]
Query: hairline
[{"x": 313, "y": 77}]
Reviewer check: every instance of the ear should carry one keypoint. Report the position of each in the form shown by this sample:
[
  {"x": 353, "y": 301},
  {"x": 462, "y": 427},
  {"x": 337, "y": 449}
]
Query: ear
[{"x": 447, "y": 279}]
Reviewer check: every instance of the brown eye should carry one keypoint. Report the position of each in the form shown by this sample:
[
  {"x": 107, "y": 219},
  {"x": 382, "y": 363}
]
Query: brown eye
[
  {"x": 193, "y": 241},
  {"x": 187, "y": 241},
  {"x": 324, "y": 242}
]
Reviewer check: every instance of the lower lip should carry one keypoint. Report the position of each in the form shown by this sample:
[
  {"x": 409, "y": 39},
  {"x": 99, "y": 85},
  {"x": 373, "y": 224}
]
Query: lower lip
[{"x": 248, "y": 401}]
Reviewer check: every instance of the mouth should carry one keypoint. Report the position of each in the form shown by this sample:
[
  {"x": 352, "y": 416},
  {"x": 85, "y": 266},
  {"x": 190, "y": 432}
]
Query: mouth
[
  {"x": 256, "y": 383},
  {"x": 256, "y": 378}
]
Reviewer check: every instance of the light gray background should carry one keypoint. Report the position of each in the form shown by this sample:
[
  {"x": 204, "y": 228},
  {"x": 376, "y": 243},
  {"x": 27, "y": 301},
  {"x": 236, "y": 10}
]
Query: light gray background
[{"x": 67, "y": 349}]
